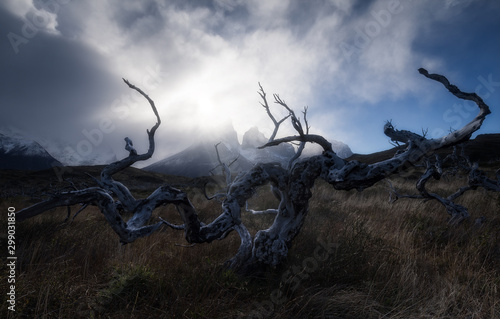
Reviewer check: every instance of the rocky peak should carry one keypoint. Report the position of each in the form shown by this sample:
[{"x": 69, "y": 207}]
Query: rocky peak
[{"x": 253, "y": 138}]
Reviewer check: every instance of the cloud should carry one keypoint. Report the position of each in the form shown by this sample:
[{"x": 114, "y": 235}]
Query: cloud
[
  {"x": 37, "y": 14},
  {"x": 201, "y": 62}
]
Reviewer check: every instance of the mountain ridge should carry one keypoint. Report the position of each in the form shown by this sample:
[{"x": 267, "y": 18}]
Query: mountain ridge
[
  {"x": 484, "y": 148},
  {"x": 200, "y": 159},
  {"x": 18, "y": 152}
]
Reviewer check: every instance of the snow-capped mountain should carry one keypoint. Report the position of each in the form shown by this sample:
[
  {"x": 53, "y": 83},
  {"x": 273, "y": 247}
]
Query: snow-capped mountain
[
  {"x": 200, "y": 159},
  {"x": 18, "y": 152},
  {"x": 67, "y": 153},
  {"x": 62, "y": 152}
]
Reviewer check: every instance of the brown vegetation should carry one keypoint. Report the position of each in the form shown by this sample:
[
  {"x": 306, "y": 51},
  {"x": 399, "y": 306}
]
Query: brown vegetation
[{"x": 398, "y": 260}]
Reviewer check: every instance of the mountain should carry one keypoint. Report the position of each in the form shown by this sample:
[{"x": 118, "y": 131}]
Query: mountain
[
  {"x": 17, "y": 152},
  {"x": 200, "y": 158},
  {"x": 342, "y": 149},
  {"x": 253, "y": 138},
  {"x": 67, "y": 153}
]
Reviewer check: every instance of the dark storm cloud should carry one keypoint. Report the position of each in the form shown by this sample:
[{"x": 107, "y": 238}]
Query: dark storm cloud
[
  {"x": 131, "y": 20},
  {"x": 343, "y": 58},
  {"x": 52, "y": 84}
]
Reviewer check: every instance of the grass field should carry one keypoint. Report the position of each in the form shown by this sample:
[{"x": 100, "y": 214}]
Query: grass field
[{"x": 357, "y": 257}]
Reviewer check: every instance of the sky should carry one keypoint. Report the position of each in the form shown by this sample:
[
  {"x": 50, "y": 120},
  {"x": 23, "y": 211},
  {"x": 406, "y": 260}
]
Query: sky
[{"x": 352, "y": 63}]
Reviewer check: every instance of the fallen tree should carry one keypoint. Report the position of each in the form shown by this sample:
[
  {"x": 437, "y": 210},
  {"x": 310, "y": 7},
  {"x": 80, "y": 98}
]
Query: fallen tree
[{"x": 291, "y": 185}]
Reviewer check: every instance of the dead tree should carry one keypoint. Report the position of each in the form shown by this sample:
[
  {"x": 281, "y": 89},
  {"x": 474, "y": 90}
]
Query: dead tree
[
  {"x": 109, "y": 189},
  {"x": 293, "y": 184},
  {"x": 455, "y": 163}
]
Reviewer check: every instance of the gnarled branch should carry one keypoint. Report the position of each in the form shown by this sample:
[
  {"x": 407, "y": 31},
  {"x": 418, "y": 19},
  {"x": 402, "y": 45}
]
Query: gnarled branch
[
  {"x": 292, "y": 184},
  {"x": 434, "y": 169},
  {"x": 101, "y": 196},
  {"x": 362, "y": 176}
]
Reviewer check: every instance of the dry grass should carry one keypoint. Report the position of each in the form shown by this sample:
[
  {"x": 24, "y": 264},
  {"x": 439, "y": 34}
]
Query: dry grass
[{"x": 390, "y": 261}]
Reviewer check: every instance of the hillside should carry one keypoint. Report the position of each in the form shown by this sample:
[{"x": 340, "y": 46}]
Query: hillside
[
  {"x": 485, "y": 149},
  {"x": 200, "y": 158},
  {"x": 17, "y": 152},
  {"x": 21, "y": 182},
  {"x": 396, "y": 260},
  {"x": 399, "y": 260}
]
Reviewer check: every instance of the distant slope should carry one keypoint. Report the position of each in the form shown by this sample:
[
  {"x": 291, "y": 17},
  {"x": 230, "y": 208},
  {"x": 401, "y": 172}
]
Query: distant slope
[
  {"x": 485, "y": 149},
  {"x": 253, "y": 139},
  {"x": 200, "y": 158},
  {"x": 19, "y": 153},
  {"x": 14, "y": 182}
]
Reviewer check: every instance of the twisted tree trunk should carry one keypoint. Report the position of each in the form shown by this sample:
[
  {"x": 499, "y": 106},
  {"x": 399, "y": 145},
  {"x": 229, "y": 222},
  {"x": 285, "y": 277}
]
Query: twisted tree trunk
[{"x": 292, "y": 185}]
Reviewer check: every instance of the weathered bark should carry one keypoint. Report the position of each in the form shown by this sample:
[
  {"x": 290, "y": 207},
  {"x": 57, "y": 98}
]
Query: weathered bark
[
  {"x": 292, "y": 185},
  {"x": 271, "y": 245},
  {"x": 434, "y": 169},
  {"x": 141, "y": 210}
]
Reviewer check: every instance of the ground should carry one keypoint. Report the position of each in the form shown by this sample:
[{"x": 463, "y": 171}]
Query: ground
[{"x": 358, "y": 256}]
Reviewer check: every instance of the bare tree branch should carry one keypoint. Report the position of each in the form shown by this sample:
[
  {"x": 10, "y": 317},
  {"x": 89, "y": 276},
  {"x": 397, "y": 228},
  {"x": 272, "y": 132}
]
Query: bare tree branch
[
  {"x": 217, "y": 196},
  {"x": 130, "y": 146},
  {"x": 176, "y": 227},
  {"x": 277, "y": 193},
  {"x": 225, "y": 168},
  {"x": 80, "y": 210},
  {"x": 122, "y": 192},
  {"x": 292, "y": 186},
  {"x": 453, "y": 138},
  {"x": 266, "y": 107},
  {"x": 295, "y": 121},
  {"x": 434, "y": 169},
  {"x": 261, "y": 212},
  {"x": 100, "y": 196},
  {"x": 311, "y": 138}
]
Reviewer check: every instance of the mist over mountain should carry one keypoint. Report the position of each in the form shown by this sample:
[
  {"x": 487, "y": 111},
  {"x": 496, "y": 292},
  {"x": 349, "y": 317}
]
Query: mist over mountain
[
  {"x": 200, "y": 159},
  {"x": 253, "y": 138},
  {"x": 341, "y": 149},
  {"x": 18, "y": 152},
  {"x": 67, "y": 153}
]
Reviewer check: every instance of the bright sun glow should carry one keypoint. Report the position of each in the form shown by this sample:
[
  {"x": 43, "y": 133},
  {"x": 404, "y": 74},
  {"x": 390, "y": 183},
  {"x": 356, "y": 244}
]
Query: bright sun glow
[{"x": 197, "y": 105}]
